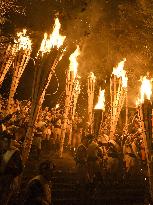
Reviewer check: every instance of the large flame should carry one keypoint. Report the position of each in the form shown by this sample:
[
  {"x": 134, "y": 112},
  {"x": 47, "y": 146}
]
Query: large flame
[
  {"x": 73, "y": 61},
  {"x": 54, "y": 40},
  {"x": 23, "y": 40},
  {"x": 101, "y": 100},
  {"x": 119, "y": 72},
  {"x": 146, "y": 89}
]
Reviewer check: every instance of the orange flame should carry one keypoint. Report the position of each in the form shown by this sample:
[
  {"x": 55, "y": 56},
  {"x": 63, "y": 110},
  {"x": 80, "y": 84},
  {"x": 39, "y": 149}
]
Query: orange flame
[
  {"x": 57, "y": 106},
  {"x": 101, "y": 100},
  {"x": 146, "y": 89},
  {"x": 73, "y": 61},
  {"x": 92, "y": 76},
  {"x": 119, "y": 72},
  {"x": 23, "y": 40},
  {"x": 54, "y": 40}
]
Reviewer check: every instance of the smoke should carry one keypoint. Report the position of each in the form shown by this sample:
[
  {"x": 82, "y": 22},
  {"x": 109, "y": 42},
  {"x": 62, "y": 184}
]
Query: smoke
[{"x": 107, "y": 32}]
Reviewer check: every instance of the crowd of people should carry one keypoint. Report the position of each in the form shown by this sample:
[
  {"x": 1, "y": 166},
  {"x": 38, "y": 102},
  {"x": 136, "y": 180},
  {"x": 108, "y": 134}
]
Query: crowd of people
[{"x": 98, "y": 159}]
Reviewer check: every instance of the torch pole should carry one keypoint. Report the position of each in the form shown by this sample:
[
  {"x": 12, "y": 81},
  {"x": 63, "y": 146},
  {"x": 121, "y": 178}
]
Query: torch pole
[
  {"x": 147, "y": 142},
  {"x": 90, "y": 91},
  {"x": 22, "y": 59},
  {"x": 127, "y": 112},
  {"x": 10, "y": 55}
]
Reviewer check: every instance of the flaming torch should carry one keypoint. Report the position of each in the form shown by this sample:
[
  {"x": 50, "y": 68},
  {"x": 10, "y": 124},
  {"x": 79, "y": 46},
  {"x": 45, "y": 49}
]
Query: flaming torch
[
  {"x": 98, "y": 111},
  {"x": 8, "y": 60},
  {"x": 118, "y": 93},
  {"x": 71, "y": 84},
  {"x": 145, "y": 111},
  {"x": 72, "y": 92},
  {"x": 22, "y": 42},
  {"x": 46, "y": 63},
  {"x": 91, "y": 89},
  {"x": 21, "y": 60}
]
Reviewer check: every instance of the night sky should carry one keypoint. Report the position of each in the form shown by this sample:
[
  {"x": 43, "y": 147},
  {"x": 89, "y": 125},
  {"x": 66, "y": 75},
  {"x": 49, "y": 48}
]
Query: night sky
[{"x": 106, "y": 31}]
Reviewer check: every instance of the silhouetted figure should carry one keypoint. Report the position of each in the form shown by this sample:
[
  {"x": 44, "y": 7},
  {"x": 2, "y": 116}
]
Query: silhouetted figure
[
  {"x": 10, "y": 168},
  {"x": 38, "y": 190}
]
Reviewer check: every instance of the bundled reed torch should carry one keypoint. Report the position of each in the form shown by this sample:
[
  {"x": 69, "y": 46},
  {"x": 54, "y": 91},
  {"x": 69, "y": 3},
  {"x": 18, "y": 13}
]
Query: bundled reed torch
[
  {"x": 98, "y": 112},
  {"x": 23, "y": 45},
  {"x": 72, "y": 93},
  {"x": 144, "y": 106},
  {"x": 118, "y": 93},
  {"x": 49, "y": 54},
  {"x": 90, "y": 91}
]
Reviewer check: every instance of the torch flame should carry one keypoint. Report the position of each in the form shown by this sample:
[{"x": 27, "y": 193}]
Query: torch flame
[
  {"x": 23, "y": 40},
  {"x": 54, "y": 40},
  {"x": 57, "y": 106},
  {"x": 73, "y": 61},
  {"x": 119, "y": 72},
  {"x": 101, "y": 100},
  {"x": 92, "y": 76},
  {"x": 146, "y": 89}
]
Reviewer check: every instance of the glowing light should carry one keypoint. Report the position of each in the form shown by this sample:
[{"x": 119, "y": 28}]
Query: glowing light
[
  {"x": 73, "y": 61},
  {"x": 54, "y": 40},
  {"x": 92, "y": 76},
  {"x": 146, "y": 89},
  {"x": 101, "y": 100},
  {"x": 23, "y": 41},
  {"x": 119, "y": 72},
  {"x": 138, "y": 102},
  {"x": 57, "y": 106}
]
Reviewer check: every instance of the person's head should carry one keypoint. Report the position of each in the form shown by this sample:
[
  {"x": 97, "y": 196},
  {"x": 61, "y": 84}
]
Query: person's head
[
  {"x": 5, "y": 141},
  {"x": 90, "y": 138},
  {"x": 46, "y": 169}
]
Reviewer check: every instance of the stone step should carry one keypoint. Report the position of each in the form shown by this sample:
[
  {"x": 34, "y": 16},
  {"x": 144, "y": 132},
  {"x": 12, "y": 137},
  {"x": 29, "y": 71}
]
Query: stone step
[
  {"x": 60, "y": 193},
  {"x": 70, "y": 201}
]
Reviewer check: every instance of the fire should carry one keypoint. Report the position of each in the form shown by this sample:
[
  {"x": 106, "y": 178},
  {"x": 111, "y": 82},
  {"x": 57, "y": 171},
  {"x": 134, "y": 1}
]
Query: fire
[
  {"x": 101, "y": 100},
  {"x": 92, "y": 76},
  {"x": 138, "y": 102},
  {"x": 146, "y": 89},
  {"x": 54, "y": 40},
  {"x": 119, "y": 72},
  {"x": 57, "y": 106},
  {"x": 73, "y": 61},
  {"x": 23, "y": 40}
]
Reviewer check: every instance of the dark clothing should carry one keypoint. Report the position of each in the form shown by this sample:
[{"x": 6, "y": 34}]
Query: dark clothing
[
  {"x": 38, "y": 192},
  {"x": 81, "y": 154},
  {"x": 10, "y": 170}
]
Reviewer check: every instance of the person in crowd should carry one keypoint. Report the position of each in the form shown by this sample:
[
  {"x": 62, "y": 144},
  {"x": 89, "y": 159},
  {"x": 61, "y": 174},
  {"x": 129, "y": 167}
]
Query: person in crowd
[
  {"x": 94, "y": 156},
  {"x": 37, "y": 143},
  {"x": 131, "y": 157},
  {"x": 81, "y": 161},
  {"x": 113, "y": 166},
  {"x": 10, "y": 168},
  {"x": 38, "y": 190}
]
